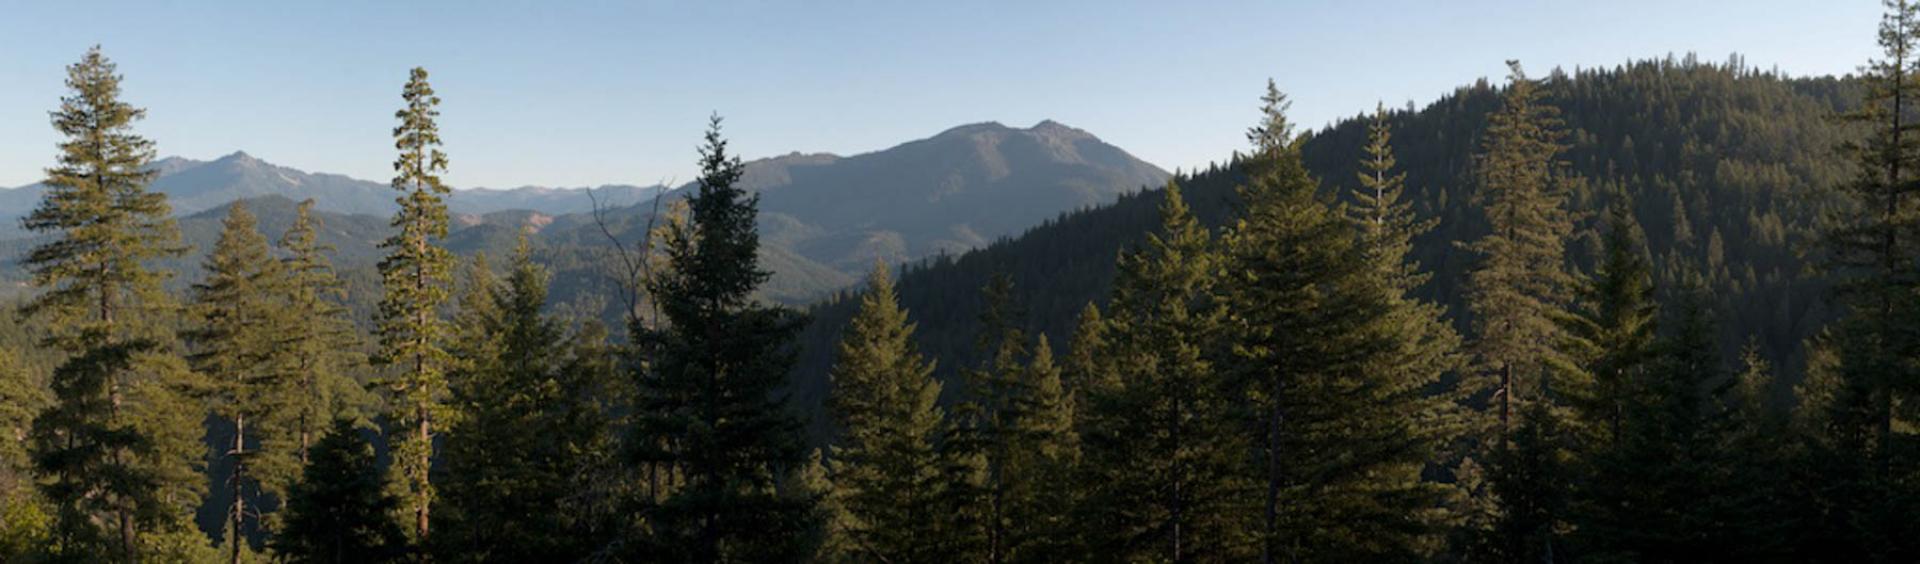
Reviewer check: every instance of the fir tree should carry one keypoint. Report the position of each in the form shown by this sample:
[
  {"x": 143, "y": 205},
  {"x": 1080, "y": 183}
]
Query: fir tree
[
  {"x": 707, "y": 411},
  {"x": 415, "y": 275},
  {"x": 1613, "y": 333},
  {"x": 1521, "y": 282},
  {"x": 530, "y": 429},
  {"x": 1403, "y": 424},
  {"x": 1651, "y": 493},
  {"x": 1088, "y": 366},
  {"x": 340, "y": 510},
  {"x": 1162, "y": 453},
  {"x": 1872, "y": 245},
  {"x": 237, "y": 351},
  {"x": 887, "y": 471},
  {"x": 321, "y": 341},
  {"x": 1015, "y": 422},
  {"x": 114, "y": 467},
  {"x": 1305, "y": 335}
]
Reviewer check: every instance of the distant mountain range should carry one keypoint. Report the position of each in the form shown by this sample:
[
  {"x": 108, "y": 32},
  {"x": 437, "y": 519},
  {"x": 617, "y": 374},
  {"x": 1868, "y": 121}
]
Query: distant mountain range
[
  {"x": 192, "y": 186},
  {"x": 824, "y": 218}
]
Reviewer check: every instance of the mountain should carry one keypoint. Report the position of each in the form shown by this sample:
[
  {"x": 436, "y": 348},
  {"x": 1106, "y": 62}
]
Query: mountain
[
  {"x": 824, "y": 218},
  {"x": 192, "y": 186},
  {"x": 1728, "y": 171},
  {"x": 956, "y": 191}
]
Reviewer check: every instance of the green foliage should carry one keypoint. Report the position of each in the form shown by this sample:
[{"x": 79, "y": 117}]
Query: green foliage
[
  {"x": 1613, "y": 330},
  {"x": 1521, "y": 282},
  {"x": 1014, "y": 431},
  {"x": 239, "y": 321},
  {"x": 1163, "y": 453},
  {"x": 1301, "y": 317},
  {"x": 533, "y": 429},
  {"x": 415, "y": 277},
  {"x": 322, "y": 346},
  {"x": 22, "y": 396},
  {"x": 888, "y": 474},
  {"x": 340, "y": 510},
  {"x": 707, "y": 414},
  {"x": 109, "y": 447}
]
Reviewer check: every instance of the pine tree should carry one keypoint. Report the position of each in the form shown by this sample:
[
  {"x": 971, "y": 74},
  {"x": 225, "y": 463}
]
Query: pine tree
[
  {"x": 707, "y": 410},
  {"x": 1088, "y": 367},
  {"x": 320, "y": 343},
  {"x": 340, "y": 510},
  {"x": 1521, "y": 282},
  {"x": 237, "y": 351},
  {"x": 1404, "y": 423},
  {"x": 1162, "y": 453},
  {"x": 1516, "y": 295},
  {"x": 1872, "y": 244},
  {"x": 530, "y": 429},
  {"x": 113, "y": 465},
  {"x": 1647, "y": 501},
  {"x": 415, "y": 276},
  {"x": 1305, "y": 337},
  {"x": 1046, "y": 530},
  {"x": 1016, "y": 423},
  {"x": 887, "y": 470},
  {"x": 1753, "y": 501},
  {"x": 1613, "y": 333}
]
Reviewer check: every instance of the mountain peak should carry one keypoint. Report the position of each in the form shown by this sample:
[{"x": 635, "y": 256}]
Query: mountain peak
[
  {"x": 1052, "y": 128},
  {"x": 973, "y": 128},
  {"x": 239, "y": 157}
]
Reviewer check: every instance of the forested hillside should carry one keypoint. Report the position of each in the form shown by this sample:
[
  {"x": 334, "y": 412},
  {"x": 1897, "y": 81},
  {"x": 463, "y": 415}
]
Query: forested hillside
[
  {"x": 1728, "y": 167},
  {"x": 1662, "y": 312}
]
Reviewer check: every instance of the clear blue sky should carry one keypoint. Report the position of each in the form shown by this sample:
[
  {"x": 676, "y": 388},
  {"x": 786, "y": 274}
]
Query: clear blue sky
[{"x": 587, "y": 93}]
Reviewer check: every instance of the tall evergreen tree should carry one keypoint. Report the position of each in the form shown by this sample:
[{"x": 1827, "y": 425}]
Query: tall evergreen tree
[
  {"x": 530, "y": 430},
  {"x": 1088, "y": 367},
  {"x": 1521, "y": 282},
  {"x": 238, "y": 353},
  {"x": 340, "y": 511},
  {"x": 888, "y": 472},
  {"x": 1651, "y": 493},
  {"x": 1873, "y": 244},
  {"x": 415, "y": 276},
  {"x": 708, "y": 409},
  {"x": 1015, "y": 421},
  {"x": 322, "y": 342},
  {"x": 1305, "y": 321},
  {"x": 1613, "y": 332},
  {"x": 1162, "y": 451},
  {"x": 109, "y": 446},
  {"x": 1516, "y": 295},
  {"x": 1404, "y": 421}
]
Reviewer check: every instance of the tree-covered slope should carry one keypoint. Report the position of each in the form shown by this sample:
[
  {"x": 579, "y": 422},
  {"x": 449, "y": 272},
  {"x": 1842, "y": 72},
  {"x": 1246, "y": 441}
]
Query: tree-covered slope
[{"x": 1727, "y": 168}]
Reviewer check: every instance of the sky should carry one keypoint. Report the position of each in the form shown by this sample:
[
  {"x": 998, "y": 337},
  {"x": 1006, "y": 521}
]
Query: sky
[{"x": 591, "y": 93}]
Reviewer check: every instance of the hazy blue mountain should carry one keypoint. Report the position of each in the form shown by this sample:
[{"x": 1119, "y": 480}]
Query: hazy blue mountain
[
  {"x": 824, "y": 218},
  {"x": 193, "y": 186},
  {"x": 953, "y": 192}
]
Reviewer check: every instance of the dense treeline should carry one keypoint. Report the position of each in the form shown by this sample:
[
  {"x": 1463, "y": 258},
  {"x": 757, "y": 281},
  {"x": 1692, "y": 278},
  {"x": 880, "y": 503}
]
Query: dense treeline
[{"x": 1539, "y": 322}]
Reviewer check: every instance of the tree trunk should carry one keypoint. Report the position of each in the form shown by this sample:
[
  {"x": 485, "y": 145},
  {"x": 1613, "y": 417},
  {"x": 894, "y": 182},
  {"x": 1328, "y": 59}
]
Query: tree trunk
[
  {"x": 426, "y": 457},
  {"x": 238, "y": 514},
  {"x": 1506, "y": 401}
]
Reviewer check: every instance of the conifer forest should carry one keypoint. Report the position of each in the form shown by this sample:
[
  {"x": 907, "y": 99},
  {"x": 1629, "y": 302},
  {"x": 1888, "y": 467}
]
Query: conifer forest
[{"x": 1664, "y": 311}]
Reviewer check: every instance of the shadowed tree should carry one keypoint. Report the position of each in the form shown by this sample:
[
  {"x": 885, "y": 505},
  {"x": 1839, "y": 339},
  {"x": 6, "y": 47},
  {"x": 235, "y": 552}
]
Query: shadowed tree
[{"x": 708, "y": 408}]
